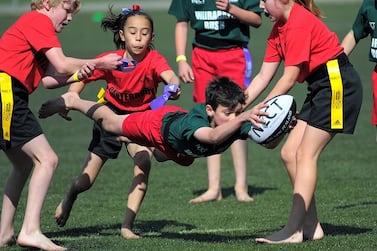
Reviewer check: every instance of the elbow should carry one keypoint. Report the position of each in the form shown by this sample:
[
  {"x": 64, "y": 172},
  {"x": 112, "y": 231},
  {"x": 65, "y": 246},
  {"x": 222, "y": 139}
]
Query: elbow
[
  {"x": 257, "y": 24},
  {"x": 63, "y": 70},
  {"x": 215, "y": 140},
  {"x": 257, "y": 21},
  {"x": 48, "y": 83}
]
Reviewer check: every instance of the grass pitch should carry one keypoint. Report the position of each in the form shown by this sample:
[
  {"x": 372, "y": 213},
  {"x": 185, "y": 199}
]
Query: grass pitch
[{"x": 346, "y": 190}]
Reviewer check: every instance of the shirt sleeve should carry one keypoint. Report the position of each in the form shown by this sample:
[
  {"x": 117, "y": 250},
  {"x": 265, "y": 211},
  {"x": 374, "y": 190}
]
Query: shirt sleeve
[
  {"x": 179, "y": 9},
  {"x": 360, "y": 26},
  {"x": 160, "y": 65}
]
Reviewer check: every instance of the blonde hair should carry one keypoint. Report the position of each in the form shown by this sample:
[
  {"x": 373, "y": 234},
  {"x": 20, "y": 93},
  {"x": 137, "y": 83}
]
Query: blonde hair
[
  {"x": 311, "y": 6},
  {"x": 38, "y": 4}
]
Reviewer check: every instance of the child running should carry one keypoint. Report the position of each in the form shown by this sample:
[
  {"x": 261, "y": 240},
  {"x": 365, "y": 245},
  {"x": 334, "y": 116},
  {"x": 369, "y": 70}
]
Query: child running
[
  {"x": 126, "y": 92},
  {"x": 28, "y": 48}
]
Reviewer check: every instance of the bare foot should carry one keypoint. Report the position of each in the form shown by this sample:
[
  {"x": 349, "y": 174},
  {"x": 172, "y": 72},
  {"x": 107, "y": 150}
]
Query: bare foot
[
  {"x": 207, "y": 197},
  {"x": 243, "y": 197},
  {"x": 281, "y": 237},
  {"x": 9, "y": 241},
  {"x": 129, "y": 235},
  {"x": 63, "y": 211},
  {"x": 56, "y": 105},
  {"x": 313, "y": 233},
  {"x": 37, "y": 240}
]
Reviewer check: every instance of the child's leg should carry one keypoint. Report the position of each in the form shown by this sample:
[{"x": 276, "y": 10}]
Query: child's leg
[
  {"x": 213, "y": 192},
  {"x": 22, "y": 166},
  {"x": 239, "y": 154},
  {"x": 81, "y": 183},
  {"x": 142, "y": 160},
  {"x": 312, "y": 144},
  {"x": 312, "y": 229},
  {"x": 45, "y": 163},
  {"x": 110, "y": 121}
]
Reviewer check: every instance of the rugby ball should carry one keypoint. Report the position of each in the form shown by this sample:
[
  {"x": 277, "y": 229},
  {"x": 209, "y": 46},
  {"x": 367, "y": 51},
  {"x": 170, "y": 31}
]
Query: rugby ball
[{"x": 281, "y": 110}]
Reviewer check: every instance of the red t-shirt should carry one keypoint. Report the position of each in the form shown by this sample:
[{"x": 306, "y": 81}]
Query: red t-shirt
[
  {"x": 132, "y": 91},
  {"x": 305, "y": 39},
  {"x": 21, "y": 48}
]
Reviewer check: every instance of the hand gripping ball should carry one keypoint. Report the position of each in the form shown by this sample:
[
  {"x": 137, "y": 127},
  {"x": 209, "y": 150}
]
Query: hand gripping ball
[{"x": 281, "y": 110}]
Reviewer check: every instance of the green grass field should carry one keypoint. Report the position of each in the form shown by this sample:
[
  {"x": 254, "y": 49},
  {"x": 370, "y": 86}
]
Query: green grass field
[{"x": 347, "y": 175}]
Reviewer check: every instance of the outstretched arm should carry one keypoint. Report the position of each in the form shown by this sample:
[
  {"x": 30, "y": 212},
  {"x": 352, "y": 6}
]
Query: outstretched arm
[
  {"x": 222, "y": 132},
  {"x": 64, "y": 70},
  {"x": 68, "y": 65},
  {"x": 261, "y": 81},
  {"x": 169, "y": 77},
  {"x": 52, "y": 79}
]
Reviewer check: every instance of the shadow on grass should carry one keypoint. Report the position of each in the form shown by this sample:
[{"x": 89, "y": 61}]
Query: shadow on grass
[
  {"x": 334, "y": 230},
  {"x": 331, "y": 230},
  {"x": 229, "y": 191},
  {"x": 365, "y": 203},
  {"x": 169, "y": 229},
  {"x": 164, "y": 229}
]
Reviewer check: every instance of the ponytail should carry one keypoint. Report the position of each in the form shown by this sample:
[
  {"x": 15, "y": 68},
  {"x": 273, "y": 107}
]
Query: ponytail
[{"x": 310, "y": 6}]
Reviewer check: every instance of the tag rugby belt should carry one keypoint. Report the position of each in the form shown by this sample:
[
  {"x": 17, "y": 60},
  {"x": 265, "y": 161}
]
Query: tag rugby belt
[
  {"x": 332, "y": 70},
  {"x": 6, "y": 104}
]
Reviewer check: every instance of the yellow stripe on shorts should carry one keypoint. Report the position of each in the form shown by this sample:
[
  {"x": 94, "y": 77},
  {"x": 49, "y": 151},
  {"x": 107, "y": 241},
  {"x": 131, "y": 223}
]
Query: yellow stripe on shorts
[
  {"x": 101, "y": 96},
  {"x": 7, "y": 103},
  {"x": 336, "y": 94}
]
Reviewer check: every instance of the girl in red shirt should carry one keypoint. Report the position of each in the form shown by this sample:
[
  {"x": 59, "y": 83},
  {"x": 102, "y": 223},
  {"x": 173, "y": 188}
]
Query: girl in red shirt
[
  {"x": 28, "y": 48},
  {"x": 126, "y": 92},
  {"x": 311, "y": 53}
]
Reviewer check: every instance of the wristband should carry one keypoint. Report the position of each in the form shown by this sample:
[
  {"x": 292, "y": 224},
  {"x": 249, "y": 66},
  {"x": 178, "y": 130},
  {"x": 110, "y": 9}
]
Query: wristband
[
  {"x": 180, "y": 58},
  {"x": 75, "y": 77}
]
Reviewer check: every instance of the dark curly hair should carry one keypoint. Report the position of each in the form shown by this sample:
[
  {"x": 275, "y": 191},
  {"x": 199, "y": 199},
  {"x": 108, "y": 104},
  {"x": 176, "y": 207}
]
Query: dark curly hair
[{"x": 116, "y": 22}]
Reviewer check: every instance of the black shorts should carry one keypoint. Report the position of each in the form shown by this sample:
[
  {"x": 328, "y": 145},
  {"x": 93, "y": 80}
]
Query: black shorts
[
  {"x": 105, "y": 144},
  {"x": 316, "y": 110},
  {"x": 24, "y": 125}
]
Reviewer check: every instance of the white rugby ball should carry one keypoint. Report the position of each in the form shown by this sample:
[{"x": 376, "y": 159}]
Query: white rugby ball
[{"x": 281, "y": 110}]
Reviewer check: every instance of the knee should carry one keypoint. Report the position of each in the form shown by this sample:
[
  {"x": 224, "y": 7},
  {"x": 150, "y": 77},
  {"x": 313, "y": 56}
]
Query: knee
[
  {"x": 50, "y": 160},
  {"x": 287, "y": 155},
  {"x": 142, "y": 159},
  {"x": 81, "y": 183}
]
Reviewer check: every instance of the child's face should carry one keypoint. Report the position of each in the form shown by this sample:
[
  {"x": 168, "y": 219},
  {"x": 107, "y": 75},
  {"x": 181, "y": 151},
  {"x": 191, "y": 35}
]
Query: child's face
[
  {"x": 61, "y": 15},
  {"x": 223, "y": 114},
  {"x": 137, "y": 35},
  {"x": 272, "y": 9}
]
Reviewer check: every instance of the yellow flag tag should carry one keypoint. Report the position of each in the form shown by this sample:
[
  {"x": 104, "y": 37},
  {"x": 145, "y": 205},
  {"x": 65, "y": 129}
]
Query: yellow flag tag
[
  {"x": 101, "y": 96},
  {"x": 336, "y": 94},
  {"x": 7, "y": 103}
]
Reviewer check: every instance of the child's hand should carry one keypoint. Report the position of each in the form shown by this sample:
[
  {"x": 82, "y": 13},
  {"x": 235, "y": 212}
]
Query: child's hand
[
  {"x": 86, "y": 71},
  {"x": 255, "y": 114},
  {"x": 223, "y": 5},
  {"x": 176, "y": 95},
  {"x": 108, "y": 62}
]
